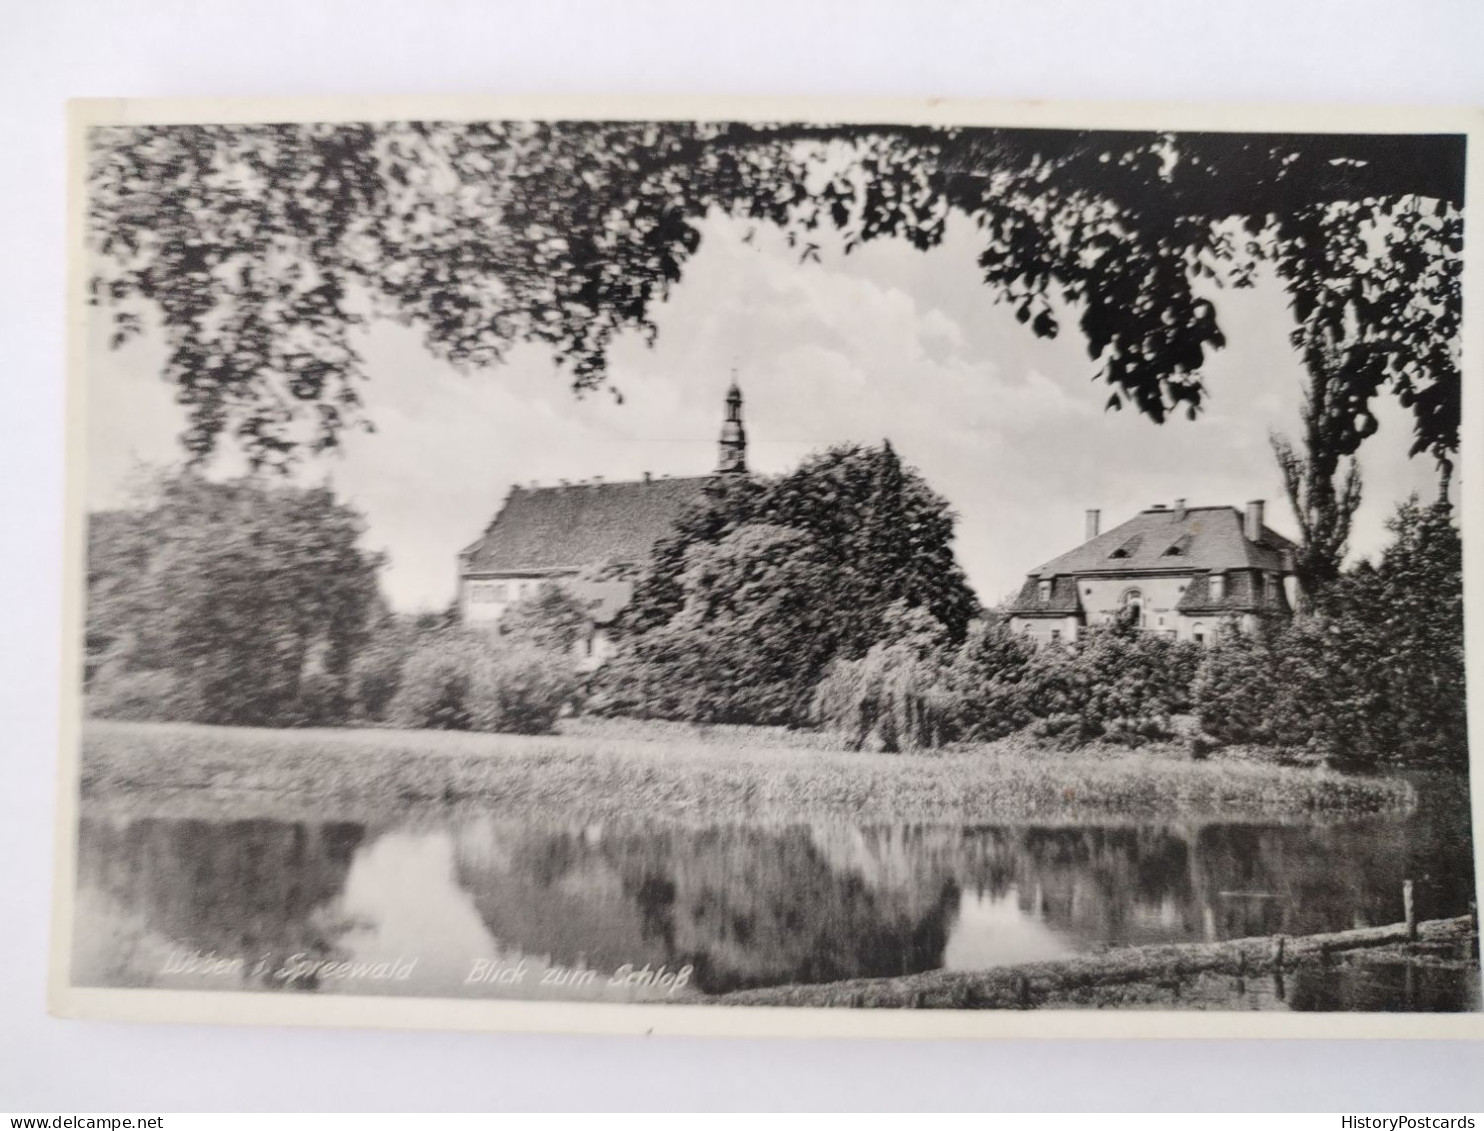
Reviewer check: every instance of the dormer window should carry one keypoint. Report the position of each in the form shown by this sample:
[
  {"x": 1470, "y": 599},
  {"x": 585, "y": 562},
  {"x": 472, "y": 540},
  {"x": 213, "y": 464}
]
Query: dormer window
[
  {"x": 1043, "y": 592},
  {"x": 1178, "y": 547},
  {"x": 1218, "y": 587}
]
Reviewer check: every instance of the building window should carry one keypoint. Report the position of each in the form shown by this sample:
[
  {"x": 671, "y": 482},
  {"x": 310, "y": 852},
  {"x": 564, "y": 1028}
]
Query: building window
[
  {"x": 1056, "y": 636},
  {"x": 1043, "y": 592},
  {"x": 1198, "y": 632},
  {"x": 1218, "y": 587}
]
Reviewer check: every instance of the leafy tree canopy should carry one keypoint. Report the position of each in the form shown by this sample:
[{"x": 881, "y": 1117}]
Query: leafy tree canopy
[
  {"x": 768, "y": 580},
  {"x": 253, "y": 601},
  {"x": 260, "y": 248},
  {"x": 1374, "y": 678}
]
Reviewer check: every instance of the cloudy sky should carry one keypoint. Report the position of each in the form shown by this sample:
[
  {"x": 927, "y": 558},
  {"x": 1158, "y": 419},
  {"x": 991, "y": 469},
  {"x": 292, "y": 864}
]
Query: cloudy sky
[{"x": 885, "y": 342}]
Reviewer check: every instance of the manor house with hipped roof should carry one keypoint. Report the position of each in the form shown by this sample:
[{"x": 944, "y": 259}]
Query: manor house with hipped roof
[
  {"x": 1182, "y": 571},
  {"x": 591, "y": 538}
]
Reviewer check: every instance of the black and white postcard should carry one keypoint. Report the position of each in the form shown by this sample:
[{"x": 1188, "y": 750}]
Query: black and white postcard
[{"x": 706, "y": 566}]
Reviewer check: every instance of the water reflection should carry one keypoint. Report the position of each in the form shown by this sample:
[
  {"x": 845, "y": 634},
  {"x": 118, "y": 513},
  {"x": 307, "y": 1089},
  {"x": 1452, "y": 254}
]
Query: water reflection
[{"x": 620, "y": 911}]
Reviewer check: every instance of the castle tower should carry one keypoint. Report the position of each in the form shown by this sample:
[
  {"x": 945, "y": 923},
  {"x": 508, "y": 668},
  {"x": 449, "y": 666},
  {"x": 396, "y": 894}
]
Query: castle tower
[{"x": 733, "y": 457}]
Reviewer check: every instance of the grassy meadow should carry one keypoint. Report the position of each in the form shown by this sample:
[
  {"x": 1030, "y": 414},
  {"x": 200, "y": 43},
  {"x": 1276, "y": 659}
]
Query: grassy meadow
[{"x": 677, "y": 772}]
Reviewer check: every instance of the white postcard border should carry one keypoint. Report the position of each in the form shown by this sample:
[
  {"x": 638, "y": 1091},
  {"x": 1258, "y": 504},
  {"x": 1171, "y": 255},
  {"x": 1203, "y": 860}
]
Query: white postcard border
[{"x": 233, "y": 1007}]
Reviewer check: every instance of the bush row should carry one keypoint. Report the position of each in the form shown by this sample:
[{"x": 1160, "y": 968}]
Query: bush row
[
  {"x": 425, "y": 673},
  {"x": 1113, "y": 684}
]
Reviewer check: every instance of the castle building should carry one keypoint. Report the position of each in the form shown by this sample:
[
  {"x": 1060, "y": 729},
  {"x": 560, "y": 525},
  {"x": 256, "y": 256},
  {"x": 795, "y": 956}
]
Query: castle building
[
  {"x": 1181, "y": 571},
  {"x": 592, "y": 538}
]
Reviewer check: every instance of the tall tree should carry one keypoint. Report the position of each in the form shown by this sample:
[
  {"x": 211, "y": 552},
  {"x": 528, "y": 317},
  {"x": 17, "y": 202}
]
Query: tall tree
[
  {"x": 253, "y": 600},
  {"x": 769, "y": 579},
  {"x": 1323, "y": 504},
  {"x": 749, "y": 639},
  {"x": 1401, "y": 628},
  {"x": 1375, "y": 288}
]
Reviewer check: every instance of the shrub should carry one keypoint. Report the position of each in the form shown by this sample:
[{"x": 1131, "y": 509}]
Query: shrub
[
  {"x": 552, "y": 618},
  {"x": 1235, "y": 687},
  {"x": 1114, "y": 684},
  {"x": 376, "y": 672},
  {"x": 1311, "y": 691},
  {"x": 987, "y": 683},
  {"x": 892, "y": 699},
  {"x": 457, "y": 680},
  {"x": 115, "y": 692}
]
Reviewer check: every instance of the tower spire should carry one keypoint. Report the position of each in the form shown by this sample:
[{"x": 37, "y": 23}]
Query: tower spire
[{"x": 733, "y": 454}]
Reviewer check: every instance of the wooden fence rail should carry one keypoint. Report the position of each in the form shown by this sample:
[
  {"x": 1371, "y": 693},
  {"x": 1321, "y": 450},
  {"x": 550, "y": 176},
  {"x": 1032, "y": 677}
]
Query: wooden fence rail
[{"x": 1022, "y": 986}]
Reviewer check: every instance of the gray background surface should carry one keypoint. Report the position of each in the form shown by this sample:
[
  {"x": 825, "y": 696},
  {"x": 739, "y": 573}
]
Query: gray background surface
[{"x": 1272, "y": 51}]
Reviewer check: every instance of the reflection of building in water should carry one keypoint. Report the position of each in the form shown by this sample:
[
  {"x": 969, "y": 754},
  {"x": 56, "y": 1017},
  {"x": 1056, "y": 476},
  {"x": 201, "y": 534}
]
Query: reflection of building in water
[
  {"x": 759, "y": 906},
  {"x": 745, "y": 906}
]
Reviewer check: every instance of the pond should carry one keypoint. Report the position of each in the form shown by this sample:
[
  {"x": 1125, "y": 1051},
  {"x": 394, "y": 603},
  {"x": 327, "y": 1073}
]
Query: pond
[{"x": 461, "y": 904}]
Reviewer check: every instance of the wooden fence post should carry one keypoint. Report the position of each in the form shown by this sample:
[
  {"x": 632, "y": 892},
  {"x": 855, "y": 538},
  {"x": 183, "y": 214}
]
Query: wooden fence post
[{"x": 1411, "y": 910}]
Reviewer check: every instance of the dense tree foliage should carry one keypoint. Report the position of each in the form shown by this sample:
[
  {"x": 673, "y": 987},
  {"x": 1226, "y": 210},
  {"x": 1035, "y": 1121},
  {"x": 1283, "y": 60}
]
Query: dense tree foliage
[
  {"x": 768, "y": 580},
  {"x": 261, "y": 248},
  {"x": 230, "y": 602},
  {"x": 1374, "y": 678},
  {"x": 748, "y": 639},
  {"x": 1113, "y": 684},
  {"x": 553, "y": 619},
  {"x": 456, "y": 679}
]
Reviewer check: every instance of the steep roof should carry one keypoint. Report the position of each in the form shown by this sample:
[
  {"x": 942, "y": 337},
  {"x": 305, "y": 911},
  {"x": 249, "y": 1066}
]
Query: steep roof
[
  {"x": 1199, "y": 538},
  {"x": 1063, "y": 601},
  {"x": 561, "y": 528}
]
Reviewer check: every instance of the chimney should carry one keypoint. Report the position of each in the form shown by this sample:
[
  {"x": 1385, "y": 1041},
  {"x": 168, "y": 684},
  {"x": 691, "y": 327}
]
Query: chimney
[
  {"x": 1094, "y": 519},
  {"x": 1179, "y": 510},
  {"x": 1253, "y": 527}
]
